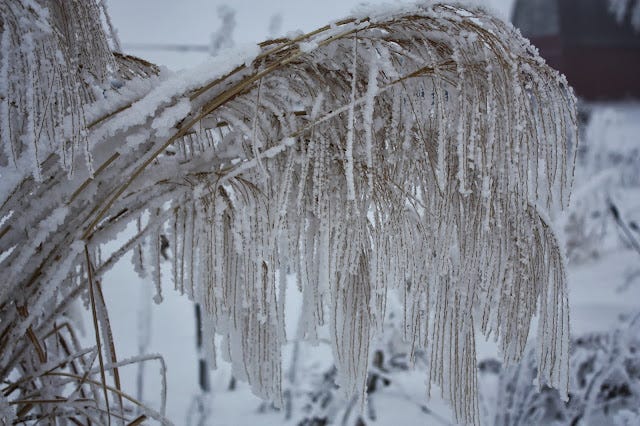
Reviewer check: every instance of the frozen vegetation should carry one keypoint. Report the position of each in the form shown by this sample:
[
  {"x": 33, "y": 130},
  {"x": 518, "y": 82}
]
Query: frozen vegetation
[{"x": 399, "y": 174}]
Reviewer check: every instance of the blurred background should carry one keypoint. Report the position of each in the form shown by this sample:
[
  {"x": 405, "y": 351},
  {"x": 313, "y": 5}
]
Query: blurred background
[{"x": 596, "y": 44}]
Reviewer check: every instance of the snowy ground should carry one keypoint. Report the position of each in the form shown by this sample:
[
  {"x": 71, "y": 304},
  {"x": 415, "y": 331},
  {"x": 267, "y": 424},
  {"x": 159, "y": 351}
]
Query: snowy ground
[{"x": 601, "y": 289}]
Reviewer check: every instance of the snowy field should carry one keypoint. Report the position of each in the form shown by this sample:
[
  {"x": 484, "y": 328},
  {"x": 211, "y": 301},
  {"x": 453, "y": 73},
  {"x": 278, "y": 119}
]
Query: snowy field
[{"x": 604, "y": 273}]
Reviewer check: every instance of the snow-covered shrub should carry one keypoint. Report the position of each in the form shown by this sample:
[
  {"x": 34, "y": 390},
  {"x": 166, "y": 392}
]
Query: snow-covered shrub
[
  {"x": 419, "y": 150},
  {"x": 626, "y": 11},
  {"x": 324, "y": 404},
  {"x": 604, "y": 387},
  {"x": 605, "y": 209},
  {"x": 311, "y": 396}
]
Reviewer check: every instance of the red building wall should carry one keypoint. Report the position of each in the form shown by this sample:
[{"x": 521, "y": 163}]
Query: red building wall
[{"x": 599, "y": 55}]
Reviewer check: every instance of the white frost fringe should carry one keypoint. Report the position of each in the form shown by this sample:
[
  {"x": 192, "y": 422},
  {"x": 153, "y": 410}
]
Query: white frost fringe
[{"x": 418, "y": 150}]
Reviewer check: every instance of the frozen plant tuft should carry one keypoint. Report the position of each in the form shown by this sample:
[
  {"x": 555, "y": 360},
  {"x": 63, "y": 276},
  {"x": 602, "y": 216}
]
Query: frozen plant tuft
[{"x": 422, "y": 150}]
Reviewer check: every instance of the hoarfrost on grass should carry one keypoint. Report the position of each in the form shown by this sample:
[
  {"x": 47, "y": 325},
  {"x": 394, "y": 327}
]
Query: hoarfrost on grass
[{"x": 374, "y": 156}]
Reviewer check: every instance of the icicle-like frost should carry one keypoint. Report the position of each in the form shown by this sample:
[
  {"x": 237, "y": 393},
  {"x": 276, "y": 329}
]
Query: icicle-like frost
[
  {"x": 153, "y": 264},
  {"x": 372, "y": 90},
  {"x": 348, "y": 167},
  {"x": 5, "y": 134}
]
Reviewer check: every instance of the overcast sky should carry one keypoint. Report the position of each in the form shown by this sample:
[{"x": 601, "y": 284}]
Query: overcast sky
[{"x": 194, "y": 21}]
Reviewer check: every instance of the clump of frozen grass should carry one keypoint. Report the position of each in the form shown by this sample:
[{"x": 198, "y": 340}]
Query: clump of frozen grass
[
  {"x": 421, "y": 150},
  {"x": 600, "y": 218},
  {"x": 605, "y": 379}
]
